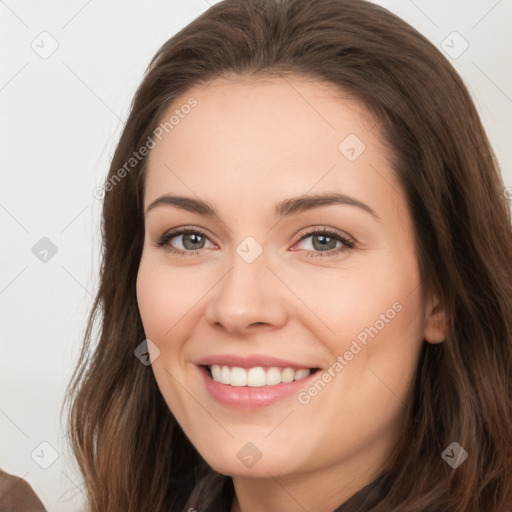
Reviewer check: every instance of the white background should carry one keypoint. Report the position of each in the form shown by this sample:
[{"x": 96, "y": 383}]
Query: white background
[{"x": 61, "y": 119}]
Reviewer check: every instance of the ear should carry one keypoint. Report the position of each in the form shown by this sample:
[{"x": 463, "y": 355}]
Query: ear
[{"x": 435, "y": 322}]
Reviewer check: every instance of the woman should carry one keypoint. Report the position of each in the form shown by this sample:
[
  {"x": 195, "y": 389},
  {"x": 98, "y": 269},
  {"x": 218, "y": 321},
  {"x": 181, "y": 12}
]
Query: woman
[{"x": 374, "y": 377}]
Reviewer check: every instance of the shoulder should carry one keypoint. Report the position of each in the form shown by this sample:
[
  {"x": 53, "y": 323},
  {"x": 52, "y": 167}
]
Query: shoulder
[{"x": 16, "y": 495}]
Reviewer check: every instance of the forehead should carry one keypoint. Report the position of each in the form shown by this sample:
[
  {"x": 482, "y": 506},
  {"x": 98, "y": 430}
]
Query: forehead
[{"x": 269, "y": 136}]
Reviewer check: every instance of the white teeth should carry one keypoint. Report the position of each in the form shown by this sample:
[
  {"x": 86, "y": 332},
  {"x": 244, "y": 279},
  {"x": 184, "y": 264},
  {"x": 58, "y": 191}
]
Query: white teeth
[
  {"x": 300, "y": 374},
  {"x": 225, "y": 375},
  {"x": 238, "y": 377},
  {"x": 216, "y": 373},
  {"x": 256, "y": 377},
  {"x": 288, "y": 375},
  {"x": 273, "y": 376}
]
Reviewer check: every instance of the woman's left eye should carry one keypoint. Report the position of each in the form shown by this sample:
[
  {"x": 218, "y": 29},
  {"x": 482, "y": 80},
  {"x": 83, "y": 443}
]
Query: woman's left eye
[{"x": 323, "y": 242}]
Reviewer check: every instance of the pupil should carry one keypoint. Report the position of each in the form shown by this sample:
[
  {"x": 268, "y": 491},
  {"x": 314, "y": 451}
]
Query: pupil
[
  {"x": 193, "y": 236},
  {"x": 324, "y": 241}
]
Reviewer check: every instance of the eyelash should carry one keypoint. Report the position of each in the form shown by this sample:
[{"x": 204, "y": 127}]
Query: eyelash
[{"x": 347, "y": 242}]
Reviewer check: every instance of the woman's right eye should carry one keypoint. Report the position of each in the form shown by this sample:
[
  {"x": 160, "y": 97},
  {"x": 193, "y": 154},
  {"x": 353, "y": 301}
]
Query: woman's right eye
[{"x": 192, "y": 241}]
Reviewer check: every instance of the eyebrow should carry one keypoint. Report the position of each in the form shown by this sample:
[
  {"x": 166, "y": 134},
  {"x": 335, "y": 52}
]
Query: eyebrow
[{"x": 282, "y": 209}]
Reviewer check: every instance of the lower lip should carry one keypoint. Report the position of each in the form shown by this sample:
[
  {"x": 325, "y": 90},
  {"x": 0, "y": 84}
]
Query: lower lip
[{"x": 246, "y": 397}]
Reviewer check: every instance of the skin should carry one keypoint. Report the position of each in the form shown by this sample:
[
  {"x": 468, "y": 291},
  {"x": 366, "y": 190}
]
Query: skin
[{"x": 248, "y": 144}]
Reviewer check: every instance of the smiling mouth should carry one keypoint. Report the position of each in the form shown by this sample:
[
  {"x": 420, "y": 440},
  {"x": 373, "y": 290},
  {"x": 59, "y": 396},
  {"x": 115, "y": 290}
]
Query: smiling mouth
[{"x": 257, "y": 376}]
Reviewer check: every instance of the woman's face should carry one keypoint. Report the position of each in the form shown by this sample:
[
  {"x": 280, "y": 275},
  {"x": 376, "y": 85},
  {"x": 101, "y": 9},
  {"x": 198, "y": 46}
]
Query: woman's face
[{"x": 269, "y": 282}]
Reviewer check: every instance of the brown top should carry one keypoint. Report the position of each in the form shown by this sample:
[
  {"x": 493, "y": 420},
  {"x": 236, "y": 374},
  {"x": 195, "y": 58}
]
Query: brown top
[{"x": 16, "y": 495}]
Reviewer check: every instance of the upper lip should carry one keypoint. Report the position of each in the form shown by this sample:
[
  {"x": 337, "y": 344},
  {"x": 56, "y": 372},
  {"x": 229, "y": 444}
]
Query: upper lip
[{"x": 250, "y": 361}]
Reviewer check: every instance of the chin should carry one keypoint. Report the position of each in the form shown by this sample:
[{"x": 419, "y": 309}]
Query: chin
[{"x": 248, "y": 461}]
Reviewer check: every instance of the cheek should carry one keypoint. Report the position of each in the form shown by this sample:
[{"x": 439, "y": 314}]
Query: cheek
[
  {"x": 376, "y": 320},
  {"x": 161, "y": 306},
  {"x": 166, "y": 293},
  {"x": 359, "y": 303},
  {"x": 157, "y": 299},
  {"x": 383, "y": 302},
  {"x": 380, "y": 348}
]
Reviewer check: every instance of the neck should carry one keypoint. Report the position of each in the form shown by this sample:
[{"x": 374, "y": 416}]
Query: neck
[{"x": 322, "y": 492}]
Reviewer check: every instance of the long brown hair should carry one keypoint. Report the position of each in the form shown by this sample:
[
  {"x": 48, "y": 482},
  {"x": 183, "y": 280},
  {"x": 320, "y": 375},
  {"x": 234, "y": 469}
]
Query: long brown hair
[{"x": 131, "y": 451}]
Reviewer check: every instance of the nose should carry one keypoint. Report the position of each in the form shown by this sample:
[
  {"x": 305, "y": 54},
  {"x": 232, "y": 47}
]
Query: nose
[{"x": 249, "y": 297}]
